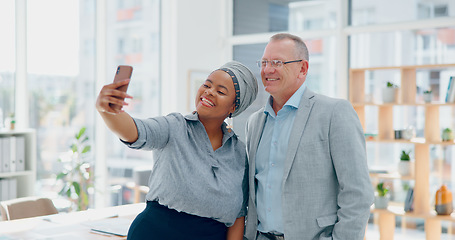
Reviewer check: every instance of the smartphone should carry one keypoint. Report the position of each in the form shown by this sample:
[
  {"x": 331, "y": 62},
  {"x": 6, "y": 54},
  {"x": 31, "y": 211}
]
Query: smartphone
[{"x": 123, "y": 72}]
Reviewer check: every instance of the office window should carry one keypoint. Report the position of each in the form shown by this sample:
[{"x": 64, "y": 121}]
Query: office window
[
  {"x": 7, "y": 59},
  {"x": 423, "y": 46},
  {"x": 61, "y": 70},
  {"x": 133, "y": 39},
  {"x": 258, "y": 16},
  {"x": 368, "y": 12}
]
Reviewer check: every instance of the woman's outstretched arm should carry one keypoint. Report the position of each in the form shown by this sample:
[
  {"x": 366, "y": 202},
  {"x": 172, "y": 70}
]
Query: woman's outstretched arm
[{"x": 118, "y": 121}]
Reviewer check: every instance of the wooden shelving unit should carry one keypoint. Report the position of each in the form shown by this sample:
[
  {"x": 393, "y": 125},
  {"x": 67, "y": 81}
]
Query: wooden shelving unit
[{"x": 385, "y": 134}]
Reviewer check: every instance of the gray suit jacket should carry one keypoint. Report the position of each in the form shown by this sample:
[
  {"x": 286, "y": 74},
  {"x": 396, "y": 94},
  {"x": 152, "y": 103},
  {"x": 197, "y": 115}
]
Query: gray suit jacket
[{"x": 327, "y": 191}]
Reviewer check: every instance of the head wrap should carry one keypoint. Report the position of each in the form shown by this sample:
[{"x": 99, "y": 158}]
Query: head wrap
[{"x": 245, "y": 84}]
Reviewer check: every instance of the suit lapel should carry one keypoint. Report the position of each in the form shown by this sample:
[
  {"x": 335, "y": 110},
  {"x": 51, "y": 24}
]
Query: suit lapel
[
  {"x": 255, "y": 137},
  {"x": 301, "y": 118}
]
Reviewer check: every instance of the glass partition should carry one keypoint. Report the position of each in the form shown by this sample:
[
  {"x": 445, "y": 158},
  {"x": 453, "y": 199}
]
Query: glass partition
[
  {"x": 258, "y": 16},
  {"x": 370, "y": 12},
  {"x": 7, "y": 60}
]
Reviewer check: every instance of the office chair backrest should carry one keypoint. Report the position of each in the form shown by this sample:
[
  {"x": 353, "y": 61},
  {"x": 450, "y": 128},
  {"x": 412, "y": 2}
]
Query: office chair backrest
[{"x": 26, "y": 207}]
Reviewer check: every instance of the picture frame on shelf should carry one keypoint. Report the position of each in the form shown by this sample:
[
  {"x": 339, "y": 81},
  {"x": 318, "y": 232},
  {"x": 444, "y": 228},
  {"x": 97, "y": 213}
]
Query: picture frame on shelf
[{"x": 195, "y": 79}]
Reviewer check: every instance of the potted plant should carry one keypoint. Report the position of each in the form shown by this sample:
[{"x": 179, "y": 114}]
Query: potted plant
[
  {"x": 447, "y": 134},
  {"x": 427, "y": 96},
  {"x": 10, "y": 121},
  {"x": 381, "y": 200},
  {"x": 404, "y": 166},
  {"x": 77, "y": 173},
  {"x": 390, "y": 93}
]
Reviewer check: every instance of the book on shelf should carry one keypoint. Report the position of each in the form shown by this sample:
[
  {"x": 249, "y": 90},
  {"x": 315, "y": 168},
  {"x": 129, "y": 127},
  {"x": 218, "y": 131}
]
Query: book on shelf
[
  {"x": 450, "y": 95},
  {"x": 378, "y": 171},
  {"x": 409, "y": 200}
]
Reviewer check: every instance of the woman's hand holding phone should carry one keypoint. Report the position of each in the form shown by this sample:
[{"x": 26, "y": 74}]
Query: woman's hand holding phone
[{"x": 111, "y": 97}]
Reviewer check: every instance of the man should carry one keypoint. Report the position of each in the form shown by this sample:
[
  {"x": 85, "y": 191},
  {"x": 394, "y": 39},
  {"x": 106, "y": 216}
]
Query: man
[{"x": 308, "y": 169}]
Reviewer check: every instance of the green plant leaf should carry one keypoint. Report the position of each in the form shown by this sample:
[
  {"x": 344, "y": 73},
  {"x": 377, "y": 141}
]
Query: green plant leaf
[
  {"x": 74, "y": 147},
  {"x": 77, "y": 188},
  {"x": 86, "y": 149},
  {"x": 61, "y": 175},
  {"x": 382, "y": 191},
  {"x": 68, "y": 192},
  {"x": 405, "y": 155},
  {"x": 391, "y": 85},
  {"x": 81, "y": 132}
]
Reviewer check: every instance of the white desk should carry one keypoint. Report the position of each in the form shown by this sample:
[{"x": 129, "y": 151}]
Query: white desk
[{"x": 67, "y": 226}]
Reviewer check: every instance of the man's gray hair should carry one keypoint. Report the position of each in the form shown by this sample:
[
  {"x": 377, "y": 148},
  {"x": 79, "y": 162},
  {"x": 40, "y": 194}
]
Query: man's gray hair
[{"x": 300, "y": 46}]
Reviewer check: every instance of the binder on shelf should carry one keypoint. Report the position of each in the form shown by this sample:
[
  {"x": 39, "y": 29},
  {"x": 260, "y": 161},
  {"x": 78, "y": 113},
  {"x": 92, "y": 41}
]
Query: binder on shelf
[
  {"x": 6, "y": 155},
  {"x": 4, "y": 189},
  {"x": 12, "y": 188},
  {"x": 1, "y": 154},
  {"x": 12, "y": 153},
  {"x": 20, "y": 153}
]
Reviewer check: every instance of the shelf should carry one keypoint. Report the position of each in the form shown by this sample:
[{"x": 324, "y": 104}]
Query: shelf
[
  {"x": 411, "y": 67},
  {"x": 14, "y": 174},
  {"x": 407, "y": 96},
  {"x": 439, "y": 104},
  {"x": 399, "y": 211},
  {"x": 413, "y": 141},
  {"x": 5, "y": 131},
  {"x": 393, "y": 175}
]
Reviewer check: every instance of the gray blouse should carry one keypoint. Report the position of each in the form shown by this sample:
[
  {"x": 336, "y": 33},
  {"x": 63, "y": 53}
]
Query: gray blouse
[{"x": 187, "y": 174}]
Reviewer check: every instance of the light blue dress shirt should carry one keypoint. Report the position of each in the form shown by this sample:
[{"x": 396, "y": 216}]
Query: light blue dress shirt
[{"x": 270, "y": 162}]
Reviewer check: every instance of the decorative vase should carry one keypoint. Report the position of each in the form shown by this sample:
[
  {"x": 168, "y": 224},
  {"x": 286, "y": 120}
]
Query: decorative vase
[
  {"x": 405, "y": 168},
  {"x": 389, "y": 94},
  {"x": 427, "y": 97},
  {"x": 443, "y": 201},
  {"x": 381, "y": 202},
  {"x": 408, "y": 133}
]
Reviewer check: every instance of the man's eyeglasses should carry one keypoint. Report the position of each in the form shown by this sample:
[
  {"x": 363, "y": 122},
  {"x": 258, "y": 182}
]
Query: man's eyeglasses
[{"x": 274, "y": 63}]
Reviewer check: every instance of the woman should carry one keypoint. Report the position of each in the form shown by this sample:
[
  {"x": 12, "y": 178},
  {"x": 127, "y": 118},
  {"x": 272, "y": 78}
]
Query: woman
[{"x": 198, "y": 185}]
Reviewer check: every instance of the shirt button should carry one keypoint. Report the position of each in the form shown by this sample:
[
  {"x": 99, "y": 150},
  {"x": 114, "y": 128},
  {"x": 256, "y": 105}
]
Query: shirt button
[
  {"x": 273, "y": 164},
  {"x": 268, "y": 209},
  {"x": 269, "y": 186}
]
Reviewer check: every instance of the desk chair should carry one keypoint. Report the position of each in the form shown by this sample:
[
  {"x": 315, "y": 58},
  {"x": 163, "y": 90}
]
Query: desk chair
[{"x": 26, "y": 207}]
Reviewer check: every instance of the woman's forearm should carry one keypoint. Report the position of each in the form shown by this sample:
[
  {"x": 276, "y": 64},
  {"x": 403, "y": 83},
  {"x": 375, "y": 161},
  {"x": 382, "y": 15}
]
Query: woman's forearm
[
  {"x": 122, "y": 125},
  {"x": 235, "y": 232}
]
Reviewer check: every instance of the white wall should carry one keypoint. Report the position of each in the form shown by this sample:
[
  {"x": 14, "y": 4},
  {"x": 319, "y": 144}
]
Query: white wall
[{"x": 193, "y": 34}]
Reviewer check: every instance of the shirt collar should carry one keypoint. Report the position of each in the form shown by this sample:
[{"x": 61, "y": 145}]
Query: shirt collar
[
  {"x": 194, "y": 117},
  {"x": 294, "y": 101}
]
